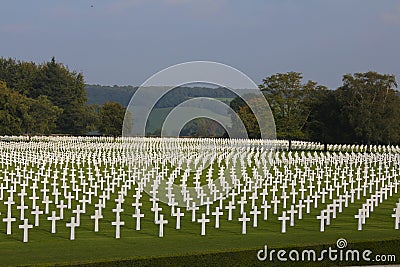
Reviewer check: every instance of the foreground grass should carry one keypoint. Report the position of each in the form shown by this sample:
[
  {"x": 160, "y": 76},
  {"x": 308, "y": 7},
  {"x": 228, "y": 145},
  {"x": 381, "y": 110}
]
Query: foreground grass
[
  {"x": 185, "y": 246},
  {"x": 248, "y": 258},
  {"x": 133, "y": 248}
]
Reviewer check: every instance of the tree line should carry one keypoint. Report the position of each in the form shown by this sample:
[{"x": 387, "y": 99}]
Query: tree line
[
  {"x": 365, "y": 109},
  {"x": 48, "y": 98}
]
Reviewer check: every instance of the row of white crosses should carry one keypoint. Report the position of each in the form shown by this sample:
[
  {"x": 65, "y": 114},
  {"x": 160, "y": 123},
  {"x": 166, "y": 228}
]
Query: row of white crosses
[
  {"x": 281, "y": 144},
  {"x": 54, "y": 174}
]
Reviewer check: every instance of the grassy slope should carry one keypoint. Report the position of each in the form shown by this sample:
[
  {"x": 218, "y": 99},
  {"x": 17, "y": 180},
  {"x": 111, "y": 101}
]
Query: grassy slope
[
  {"x": 47, "y": 248},
  {"x": 89, "y": 246}
]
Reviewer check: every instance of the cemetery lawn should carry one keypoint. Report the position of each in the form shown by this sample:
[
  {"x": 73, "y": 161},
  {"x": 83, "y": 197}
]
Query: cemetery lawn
[
  {"x": 45, "y": 248},
  {"x": 109, "y": 168}
]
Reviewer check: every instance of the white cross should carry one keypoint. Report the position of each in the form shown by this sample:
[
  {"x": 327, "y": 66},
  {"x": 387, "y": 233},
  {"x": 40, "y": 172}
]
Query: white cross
[
  {"x": 84, "y": 201},
  {"x": 244, "y": 219},
  {"x": 230, "y": 207},
  {"x": 264, "y": 193},
  {"x": 275, "y": 201},
  {"x": 396, "y": 217},
  {"x": 217, "y": 213},
  {"x": 9, "y": 204},
  {"x": 22, "y": 207},
  {"x": 78, "y": 212},
  {"x": 136, "y": 204},
  {"x": 61, "y": 206},
  {"x": 323, "y": 193},
  {"x": 316, "y": 197},
  {"x": 96, "y": 218},
  {"x": 367, "y": 208},
  {"x": 25, "y": 227},
  {"x": 178, "y": 215},
  {"x": 156, "y": 209},
  {"x": 255, "y": 212},
  {"x": 9, "y": 221},
  {"x": 118, "y": 209},
  {"x": 137, "y": 215},
  {"x": 292, "y": 212},
  {"x": 53, "y": 218},
  {"x": 161, "y": 222},
  {"x": 285, "y": 198},
  {"x": 253, "y": 198},
  {"x": 99, "y": 206},
  {"x": 47, "y": 202},
  {"x": 346, "y": 197},
  {"x": 203, "y": 222},
  {"x": 308, "y": 201},
  {"x": 300, "y": 206},
  {"x": 330, "y": 209},
  {"x": 201, "y": 195},
  {"x": 208, "y": 202},
  {"x": 36, "y": 212},
  {"x": 242, "y": 202},
  {"x": 265, "y": 206},
  {"x": 72, "y": 225},
  {"x": 283, "y": 218},
  {"x": 118, "y": 223},
  {"x": 33, "y": 197},
  {"x": 69, "y": 198},
  {"x": 322, "y": 217},
  {"x": 361, "y": 217}
]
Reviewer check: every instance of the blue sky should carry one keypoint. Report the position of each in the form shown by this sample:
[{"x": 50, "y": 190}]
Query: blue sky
[{"x": 125, "y": 41}]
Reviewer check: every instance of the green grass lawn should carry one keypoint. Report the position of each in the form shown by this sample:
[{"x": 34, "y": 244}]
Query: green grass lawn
[{"x": 45, "y": 248}]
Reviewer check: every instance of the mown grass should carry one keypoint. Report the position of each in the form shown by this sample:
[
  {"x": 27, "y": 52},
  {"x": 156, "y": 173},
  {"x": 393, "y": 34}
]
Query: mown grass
[
  {"x": 220, "y": 247},
  {"x": 249, "y": 258},
  {"x": 46, "y": 248}
]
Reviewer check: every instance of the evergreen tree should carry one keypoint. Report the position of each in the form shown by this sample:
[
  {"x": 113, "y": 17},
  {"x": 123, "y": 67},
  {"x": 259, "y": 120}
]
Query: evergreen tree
[{"x": 111, "y": 116}]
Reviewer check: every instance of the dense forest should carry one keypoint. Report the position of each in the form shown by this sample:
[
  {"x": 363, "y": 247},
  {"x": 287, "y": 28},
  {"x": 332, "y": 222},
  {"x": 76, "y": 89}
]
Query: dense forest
[{"x": 48, "y": 98}]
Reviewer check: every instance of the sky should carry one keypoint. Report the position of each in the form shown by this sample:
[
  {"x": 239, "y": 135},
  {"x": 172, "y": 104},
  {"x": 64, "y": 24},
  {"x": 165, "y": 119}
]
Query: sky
[{"x": 124, "y": 42}]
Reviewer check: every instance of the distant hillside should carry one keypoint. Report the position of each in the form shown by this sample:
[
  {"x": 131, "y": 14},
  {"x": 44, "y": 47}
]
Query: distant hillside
[{"x": 98, "y": 94}]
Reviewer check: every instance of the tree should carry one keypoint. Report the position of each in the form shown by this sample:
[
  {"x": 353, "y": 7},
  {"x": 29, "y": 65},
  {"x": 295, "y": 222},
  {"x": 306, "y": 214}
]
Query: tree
[
  {"x": 324, "y": 123},
  {"x": 246, "y": 115},
  {"x": 203, "y": 127},
  {"x": 41, "y": 116},
  {"x": 291, "y": 102},
  {"x": 12, "y": 111},
  {"x": 92, "y": 117},
  {"x": 64, "y": 88},
  {"x": 111, "y": 116},
  {"x": 22, "y": 115},
  {"x": 370, "y": 105}
]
